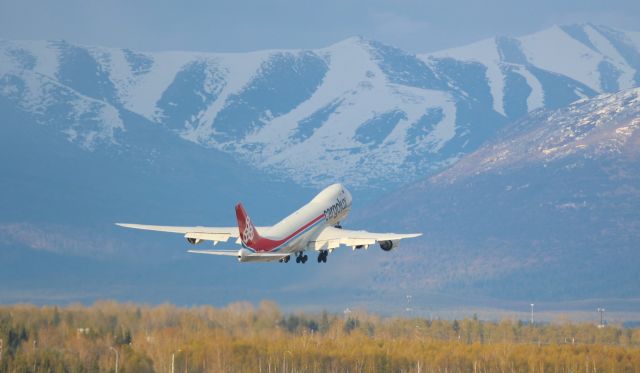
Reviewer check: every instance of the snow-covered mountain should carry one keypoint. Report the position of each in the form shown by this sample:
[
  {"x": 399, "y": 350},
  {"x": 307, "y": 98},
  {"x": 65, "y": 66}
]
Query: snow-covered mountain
[
  {"x": 553, "y": 67},
  {"x": 357, "y": 110},
  {"x": 605, "y": 126},
  {"x": 546, "y": 210}
]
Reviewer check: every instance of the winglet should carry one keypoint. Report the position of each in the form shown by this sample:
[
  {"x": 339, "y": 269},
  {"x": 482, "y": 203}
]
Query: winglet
[{"x": 248, "y": 233}]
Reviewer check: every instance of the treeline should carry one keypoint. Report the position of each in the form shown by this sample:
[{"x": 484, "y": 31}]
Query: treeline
[{"x": 243, "y": 338}]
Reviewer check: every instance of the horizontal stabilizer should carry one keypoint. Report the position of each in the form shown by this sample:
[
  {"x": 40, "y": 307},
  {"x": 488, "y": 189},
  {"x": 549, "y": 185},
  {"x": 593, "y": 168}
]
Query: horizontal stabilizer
[
  {"x": 269, "y": 255},
  {"x": 215, "y": 252},
  {"x": 235, "y": 253}
]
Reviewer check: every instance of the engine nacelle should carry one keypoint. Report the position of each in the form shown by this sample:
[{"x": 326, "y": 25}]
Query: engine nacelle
[
  {"x": 242, "y": 254},
  {"x": 389, "y": 245},
  {"x": 194, "y": 241}
]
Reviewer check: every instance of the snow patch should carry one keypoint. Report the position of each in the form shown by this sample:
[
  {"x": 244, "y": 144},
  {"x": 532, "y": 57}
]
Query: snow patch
[
  {"x": 486, "y": 53},
  {"x": 626, "y": 79},
  {"x": 536, "y": 97},
  {"x": 47, "y": 57},
  {"x": 553, "y": 50},
  {"x": 239, "y": 70},
  {"x": 147, "y": 89}
]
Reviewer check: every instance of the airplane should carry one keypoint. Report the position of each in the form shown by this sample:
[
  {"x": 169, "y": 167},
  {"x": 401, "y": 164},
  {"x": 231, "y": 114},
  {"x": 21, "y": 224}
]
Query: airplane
[{"x": 315, "y": 226}]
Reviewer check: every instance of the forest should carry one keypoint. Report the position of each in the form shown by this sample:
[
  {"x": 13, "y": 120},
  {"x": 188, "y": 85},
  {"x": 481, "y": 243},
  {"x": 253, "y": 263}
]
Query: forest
[{"x": 242, "y": 337}]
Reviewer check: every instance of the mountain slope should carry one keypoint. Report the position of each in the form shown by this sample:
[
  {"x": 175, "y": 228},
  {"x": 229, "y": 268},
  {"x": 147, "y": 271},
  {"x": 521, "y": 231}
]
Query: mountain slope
[
  {"x": 546, "y": 211},
  {"x": 318, "y": 116}
]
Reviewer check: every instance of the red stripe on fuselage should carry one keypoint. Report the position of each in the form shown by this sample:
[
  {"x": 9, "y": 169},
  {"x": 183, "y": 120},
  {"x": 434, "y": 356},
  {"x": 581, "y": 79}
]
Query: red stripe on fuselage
[{"x": 264, "y": 244}]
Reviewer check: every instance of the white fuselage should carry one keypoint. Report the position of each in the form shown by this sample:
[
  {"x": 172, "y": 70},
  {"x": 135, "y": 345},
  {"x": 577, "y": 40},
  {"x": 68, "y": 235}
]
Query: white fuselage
[{"x": 295, "y": 232}]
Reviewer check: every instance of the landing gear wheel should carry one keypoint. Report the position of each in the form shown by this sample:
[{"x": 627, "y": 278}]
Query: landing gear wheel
[
  {"x": 286, "y": 259},
  {"x": 322, "y": 257},
  {"x": 304, "y": 259},
  {"x": 298, "y": 259},
  {"x": 325, "y": 254}
]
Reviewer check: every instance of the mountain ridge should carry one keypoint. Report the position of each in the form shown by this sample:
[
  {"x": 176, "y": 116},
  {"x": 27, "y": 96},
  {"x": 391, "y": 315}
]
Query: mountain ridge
[
  {"x": 317, "y": 116},
  {"x": 514, "y": 221}
]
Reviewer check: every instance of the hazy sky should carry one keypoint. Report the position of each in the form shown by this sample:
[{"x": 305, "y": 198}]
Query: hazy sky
[{"x": 242, "y": 25}]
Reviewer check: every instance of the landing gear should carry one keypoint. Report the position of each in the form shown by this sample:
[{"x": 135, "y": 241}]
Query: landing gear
[
  {"x": 322, "y": 257},
  {"x": 285, "y": 259},
  {"x": 300, "y": 258}
]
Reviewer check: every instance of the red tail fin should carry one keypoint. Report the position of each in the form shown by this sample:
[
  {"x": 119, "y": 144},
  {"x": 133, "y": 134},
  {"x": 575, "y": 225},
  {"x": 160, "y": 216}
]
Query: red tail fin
[{"x": 248, "y": 233}]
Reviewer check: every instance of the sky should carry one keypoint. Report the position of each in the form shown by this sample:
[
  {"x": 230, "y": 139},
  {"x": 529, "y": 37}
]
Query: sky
[{"x": 243, "y": 25}]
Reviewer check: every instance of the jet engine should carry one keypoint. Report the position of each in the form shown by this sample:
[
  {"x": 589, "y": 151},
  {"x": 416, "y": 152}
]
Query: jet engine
[
  {"x": 242, "y": 254},
  {"x": 389, "y": 245},
  {"x": 193, "y": 241}
]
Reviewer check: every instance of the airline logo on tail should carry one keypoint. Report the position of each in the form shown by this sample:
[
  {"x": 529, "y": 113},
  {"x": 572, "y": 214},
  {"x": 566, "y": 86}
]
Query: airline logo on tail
[
  {"x": 247, "y": 234},
  {"x": 245, "y": 226}
]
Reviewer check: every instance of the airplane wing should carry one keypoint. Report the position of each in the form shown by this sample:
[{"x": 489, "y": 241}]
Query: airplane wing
[
  {"x": 193, "y": 234},
  {"x": 331, "y": 238}
]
